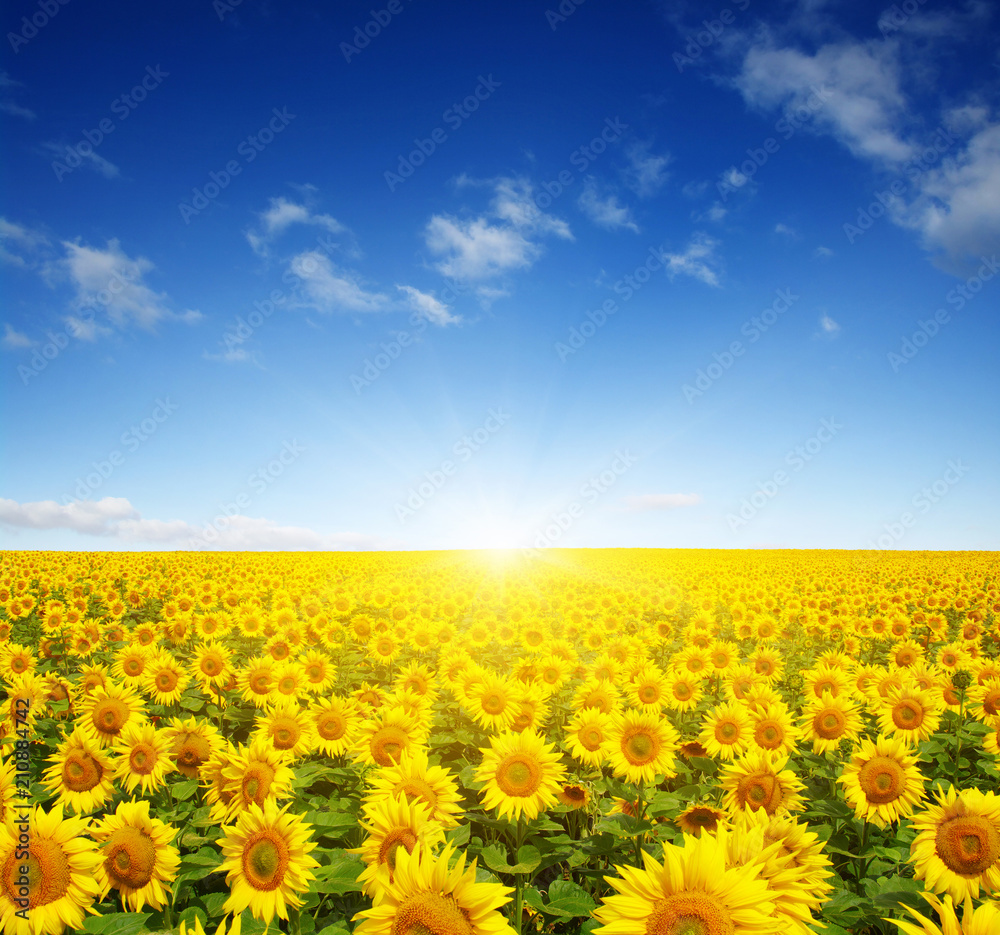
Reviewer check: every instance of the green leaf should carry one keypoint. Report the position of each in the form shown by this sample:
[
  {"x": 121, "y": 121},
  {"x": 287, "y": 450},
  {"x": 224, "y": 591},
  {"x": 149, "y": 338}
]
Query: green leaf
[
  {"x": 495, "y": 857},
  {"x": 705, "y": 764},
  {"x": 340, "y": 876},
  {"x": 460, "y": 836},
  {"x": 206, "y": 857},
  {"x": 121, "y": 923},
  {"x": 184, "y": 789}
]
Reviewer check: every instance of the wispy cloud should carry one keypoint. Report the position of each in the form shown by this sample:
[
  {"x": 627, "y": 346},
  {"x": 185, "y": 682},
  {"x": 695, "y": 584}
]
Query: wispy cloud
[
  {"x": 698, "y": 260},
  {"x": 15, "y": 339},
  {"x": 433, "y": 309},
  {"x": 829, "y": 326},
  {"x": 327, "y": 288},
  {"x": 607, "y": 212},
  {"x": 647, "y": 172},
  {"x": 282, "y": 214},
  {"x": 77, "y": 155},
  {"x": 9, "y": 106}
]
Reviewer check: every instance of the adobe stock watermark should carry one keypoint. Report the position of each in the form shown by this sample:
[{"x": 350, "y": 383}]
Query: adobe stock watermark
[
  {"x": 959, "y": 297},
  {"x": 78, "y": 327},
  {"x": 921, "y": 503},
  {"x": 897, "y": 16},
  {"x": 453, "y": 117},
  {"x": 46, "y": 12},
  {"x": 258, "y": 482},
  {"x": 463, "y": 450},
  {"x": 555, "y": 18},
  {"x": 796, "y": 459},
  {"x": 886, "y": 200},
  {"x": 372, "y": 29},
  {"x": 131, "y": 440},
  {"x": 626, "y": 287},
  {"x": 734, "y": 178},
  {"x": 561, "y": 521},
  {"x": 122, "y": 108},
  {"x": 752, "y": 329},
  {"x": 707, "y": 37},
  {"x": 249, "y": 149}
]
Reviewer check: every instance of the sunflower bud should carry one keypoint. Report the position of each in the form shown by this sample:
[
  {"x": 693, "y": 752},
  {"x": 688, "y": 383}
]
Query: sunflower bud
[
  {"x": 961, "y": 680},
  {"x": 845, "y": 748}
]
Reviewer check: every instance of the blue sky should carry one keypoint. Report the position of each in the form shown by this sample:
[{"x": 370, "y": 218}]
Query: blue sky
[{"x": 429, "y": 275}]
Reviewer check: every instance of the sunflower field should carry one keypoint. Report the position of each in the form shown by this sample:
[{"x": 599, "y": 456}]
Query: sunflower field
[{"x": 621, "y": 742}]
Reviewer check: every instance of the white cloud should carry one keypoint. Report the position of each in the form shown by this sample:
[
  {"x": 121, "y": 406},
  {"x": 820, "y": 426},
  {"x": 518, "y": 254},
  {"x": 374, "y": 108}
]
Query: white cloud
[
  {"x": 646, "y": 173},
  {"x": 828, "y": 325},
  {"x": 957, "y": 208},
  {"x": 433, "y": 309},
  {"x": 112, "y": 280},
  {"x": 716, "y": 212},
  {"x": 117, "y": 518},
  {"x": 850, "y": 89},
  {"x": 780, "y": 228},
  {"x": 281, "y": 215},
  {"x": 479, "y": 248},
  {"x": 8, "y": 106},
  {"x": 15, "y": 339},
  {"x": 72, "y": 156},
  {"x": 24, "y": 240},
  {"x": 822, "y": 253},
  {"x": 697, "y": 260},
  {"x": 330, "y": 289},
  {"x": 660, "y": 501},
  {"x": 606, "y": 212}
]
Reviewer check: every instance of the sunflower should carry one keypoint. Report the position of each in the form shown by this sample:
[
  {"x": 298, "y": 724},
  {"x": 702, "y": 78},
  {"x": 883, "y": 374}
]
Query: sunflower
[
  {"x": 105, "y": 712},
  {"x": 727, "y": 731},
  {"x": 641, "y": 746},
  {"x": 594, "y": 693},
  {"x": 81, "y": 773},
  {"x": 493, "y": 702},
  {"x": 286, "y": 727},
  {"x": 759, "y": 780},
  {"x": 882, "y": 782},
  {"x": 61, "y": 863},
  {"x": 130, "y": 664},
  {"x": 692, "y": 892},
  {"x": 192, "y": 744},
  {"x": 210, "y": 665},
  {"x": 982, "y": 921},
  {"x": 138, "y": 857},
  {"x": 649, "y": 690},
  {"x": 255, "y": 681},
  {"x": 957, "y": 848},
  {"x": 984, "y": 700},
  {"x": 143, "y": 757},
  {"x": 684, "y": 691},
  {"x": 289, "y": 681},
  {"x": 532, "y": 709},
  {"x": 318, "y": 671},
  {"x": 369, "y": 697},
  {"x": 698, "y": 818},
  {"x": 16, "y": 660},
  {"x": 573, "y": 795},
  {"x": 909, "y": 713},
  {"x": 386, "y": 736},
  {"x": 391, "y": 823},
  {"x": 267, "y": 862},
  {"x": 254, "y": 775},
  {"x": 991, "y": 742},
  {"x": 589, "y": 736},
  {"x": 419, "y": 781},
  {"x": 522, "y": 774},
  {"x": 773, "y": 730},
  {"x": 164, "y": 679},
  {"x": 430, "y": 897},
  {"x": 826, "y": 679},
  {"x": 335, "y": 722},
  {"x": 828, "y": 720}
]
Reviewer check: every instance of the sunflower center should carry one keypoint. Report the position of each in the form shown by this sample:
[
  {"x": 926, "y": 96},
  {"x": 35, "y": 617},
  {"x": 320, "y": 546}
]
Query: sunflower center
[
  {"x": 760, "y": 790},
  {"x": 387, "y": 745},
  {"x": 882, "y": 779},
  {"x": 133, "y": 667},
  {"x": 591, "y": 738},
  {"x": 192, "y": 750},
  {"x": 331, "y": 726},
  {"x": 907, "y": 714},
  {"x": 256, "y": 783},
  {"x": 689, "y": 914},
  {"x": 519, "y": 776},
  {"x": 727, "y": 732},
  {"x": 81, "y": 772},
  {"x": 49, "y": 874},
  {"x": 829, "y": 724},
  {"x": 260, "y": 683},
  {"x": 575, "y": 793},
  {"x": 142, "y": 759},
  {"x": 991, "y": 703},
  {"x": 968, "y": 845},
  {"x": 769, "y": 735},
  {"x": 430, "y": 914},
  {"x": 129, "y": 858},
  {"x": 285, "y": 733},
  {"x": 265, "y": 860},
  {"x": 211, "y": 666},
  {"x": 649, "y": 694},
  {"x": 395, "y": 839},
  {"x": 167, "y": 680},
  {"x": 418, "y": 789},
  {"x": 493, "y": 703},
  {"x": 110, "y": 716},
  {"x": 682, "y": 691},
  {"x": 640, "y": 747},
  {"x": 314, "y": 673}
]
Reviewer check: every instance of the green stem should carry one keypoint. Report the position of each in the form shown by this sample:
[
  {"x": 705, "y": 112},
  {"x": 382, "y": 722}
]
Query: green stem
[
  {"x": 958, "y": 732},
  {"x": 519, "y": 836}
]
